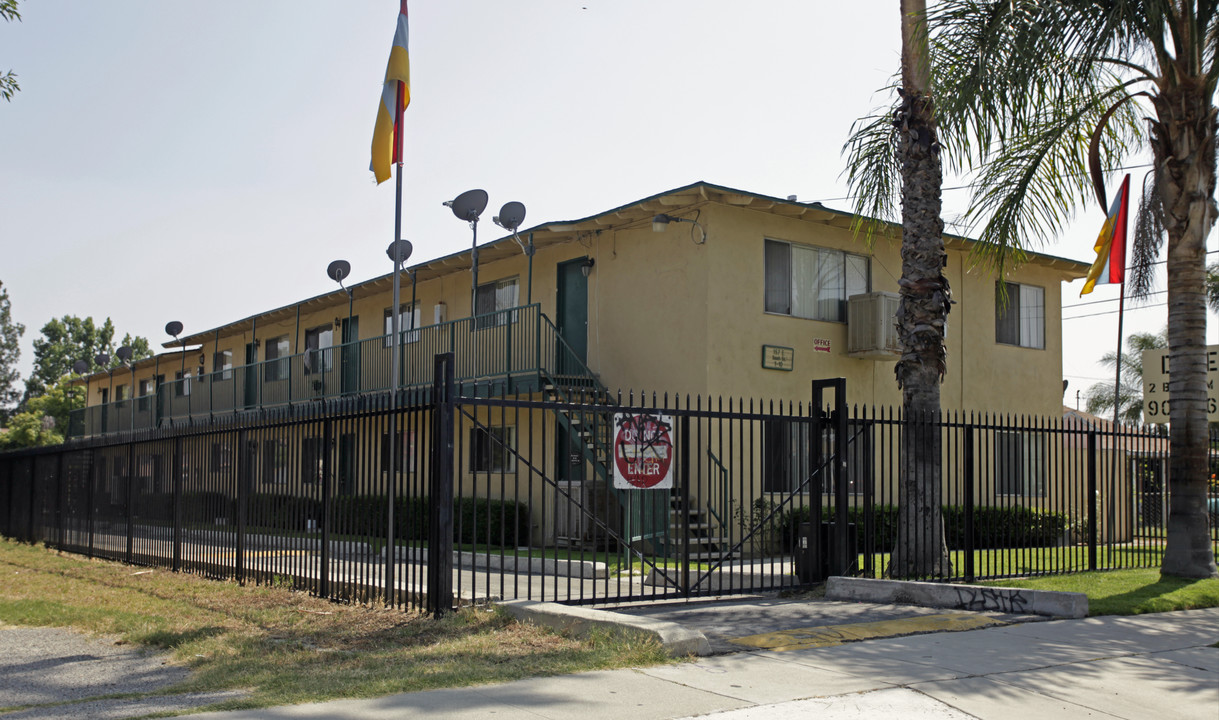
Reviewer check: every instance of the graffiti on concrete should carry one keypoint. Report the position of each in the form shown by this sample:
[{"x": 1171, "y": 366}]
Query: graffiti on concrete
[{"x": 996, "y": 599}]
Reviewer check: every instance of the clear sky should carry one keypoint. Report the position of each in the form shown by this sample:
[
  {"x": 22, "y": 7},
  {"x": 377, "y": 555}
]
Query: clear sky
[{"x": 204, "y": 161}]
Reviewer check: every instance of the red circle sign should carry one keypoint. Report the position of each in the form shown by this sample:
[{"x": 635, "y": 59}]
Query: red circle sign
[{"x": 643, "y": 450}]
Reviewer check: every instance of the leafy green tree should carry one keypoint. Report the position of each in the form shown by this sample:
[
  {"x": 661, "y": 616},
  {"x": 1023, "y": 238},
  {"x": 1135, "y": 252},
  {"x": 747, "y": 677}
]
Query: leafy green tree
[
  {"x": 68, "y": 339},
  {"x": 10, "y": 353},
  {"x": 1130, "y": 390},
  {"x": 1033, "y": 92},
  {"x": 44, "y": 420},
  {"x": 903, "y": 145},
  {"x": 8, "y": 81}
]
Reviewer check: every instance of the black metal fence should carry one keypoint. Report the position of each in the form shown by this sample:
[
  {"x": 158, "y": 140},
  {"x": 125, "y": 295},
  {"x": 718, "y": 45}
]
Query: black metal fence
[{"x": 445, "y": 495}]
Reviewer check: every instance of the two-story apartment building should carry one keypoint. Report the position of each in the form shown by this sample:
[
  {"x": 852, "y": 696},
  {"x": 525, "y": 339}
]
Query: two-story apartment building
[
  {"x": 689, "y": 309},
  {"x": 701, "y": 290}
]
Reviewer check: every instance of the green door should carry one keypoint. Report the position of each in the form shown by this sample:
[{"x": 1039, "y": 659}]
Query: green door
[
  {"x": 351, "y": 355},
  {"x": 251, "y": 375},
  {"x": 572, "y": 317}
]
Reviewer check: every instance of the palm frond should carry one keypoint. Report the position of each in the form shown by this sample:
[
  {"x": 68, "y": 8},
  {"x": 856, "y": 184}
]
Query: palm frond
[
  {"x": 1028, "y": 191},
  {"x": 873, "y": 173},
  {"x": 1148, "y": 238}
]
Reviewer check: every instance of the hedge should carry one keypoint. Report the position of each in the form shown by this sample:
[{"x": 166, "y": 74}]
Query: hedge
[
  {"x": 994, "y": 527},
  {"x": 497, "y": 523}
]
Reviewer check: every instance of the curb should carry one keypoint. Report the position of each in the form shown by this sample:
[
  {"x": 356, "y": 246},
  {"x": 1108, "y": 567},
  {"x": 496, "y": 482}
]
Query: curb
[
  {"x": 1050, "y": 603},
  {"x": 678, "y": 641}
]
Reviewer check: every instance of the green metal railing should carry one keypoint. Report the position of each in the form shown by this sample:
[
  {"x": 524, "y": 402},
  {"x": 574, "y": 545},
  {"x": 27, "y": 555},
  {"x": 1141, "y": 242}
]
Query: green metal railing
[{"x": 504, "y": 351}]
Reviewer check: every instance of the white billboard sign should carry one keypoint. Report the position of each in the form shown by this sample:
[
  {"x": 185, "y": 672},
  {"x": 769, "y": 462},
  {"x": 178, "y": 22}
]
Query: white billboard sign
[{"x": 1155, "y": 385}]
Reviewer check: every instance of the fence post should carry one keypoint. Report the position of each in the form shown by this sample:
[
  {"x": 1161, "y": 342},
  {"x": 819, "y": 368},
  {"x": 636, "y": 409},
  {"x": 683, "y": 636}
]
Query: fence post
[
  {"x": 1091, "y": 499},
  {"x": 176, "y": 500},
  {"x": 394, "y": 450},
  {"x": 89, "y": 499},
  {"x": 968, "y": 452},
  {"x": 244, "y": 463},
  {"x": 684, "y": 444},
  {"x": 327, "y": 467},
  {"x": 130, "y": 500},
  {"x": 440, "y": 527},
  {"x": 60, "y": 485},
  {"x": 31, "y": 496}
]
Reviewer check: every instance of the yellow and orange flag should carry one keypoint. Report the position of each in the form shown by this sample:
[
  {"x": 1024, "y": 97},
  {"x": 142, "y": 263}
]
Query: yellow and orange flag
[
  {"x": 395, "y": 96},
  {"x": 1110, "y": 264}
]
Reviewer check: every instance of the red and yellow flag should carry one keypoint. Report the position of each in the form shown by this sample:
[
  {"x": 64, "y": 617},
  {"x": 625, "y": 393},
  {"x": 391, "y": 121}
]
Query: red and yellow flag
[
  {"x": 395, "y": 96},
  {"x": 1110, "y": 265}
]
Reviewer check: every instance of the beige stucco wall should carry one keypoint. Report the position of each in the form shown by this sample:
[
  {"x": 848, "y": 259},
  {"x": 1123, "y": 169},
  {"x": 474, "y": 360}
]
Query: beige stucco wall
[{"x": 669, "y": 315}]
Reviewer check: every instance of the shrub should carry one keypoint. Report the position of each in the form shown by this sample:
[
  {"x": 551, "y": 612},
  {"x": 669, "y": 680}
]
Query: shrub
[
  {"x": 993, "y": 527},
  {"x": 498, "y": 523},
  {"x": 278, "y": 511}
]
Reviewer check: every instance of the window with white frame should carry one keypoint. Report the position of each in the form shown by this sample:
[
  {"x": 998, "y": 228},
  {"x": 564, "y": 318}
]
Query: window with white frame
[
  {"x": 491, "y": 301},
  {"x": 1020, "y": 318},
  {"x": 1019, "y": 463},
  {"x": 318, "y": 355},
  {"x": 312, "y": 460},
  {"x": 275, "y": 462},
  {"x": 182, "y": 383},
  {"x": 145, "y": 389},
  {"x": 222, "y": 365},
  {"x": 491, "y": 449},
  {"x": 275, "y": 353},
  {"x": 813, "y": 283},
  {"x": 408, "y": 323}
]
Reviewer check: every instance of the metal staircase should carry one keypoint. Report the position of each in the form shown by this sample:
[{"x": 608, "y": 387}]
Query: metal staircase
[{"x": 588, "y": 421}]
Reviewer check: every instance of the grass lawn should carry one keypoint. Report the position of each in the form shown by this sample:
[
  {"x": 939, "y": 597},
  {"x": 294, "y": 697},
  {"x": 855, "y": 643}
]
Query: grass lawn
[
  {"x": 1128, "y": 592},
  {"x": 288, "y": 647},
  {"x": 1018, "y": 562}
]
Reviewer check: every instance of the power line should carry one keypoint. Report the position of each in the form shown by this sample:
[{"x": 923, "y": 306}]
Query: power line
[
  {"x": 1114, "y": 312},
  {"x": 1098, "y": 302}
]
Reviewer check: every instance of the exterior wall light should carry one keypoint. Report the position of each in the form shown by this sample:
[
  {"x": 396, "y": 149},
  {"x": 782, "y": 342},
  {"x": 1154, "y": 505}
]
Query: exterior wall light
[{"x": 660, "y": 223}]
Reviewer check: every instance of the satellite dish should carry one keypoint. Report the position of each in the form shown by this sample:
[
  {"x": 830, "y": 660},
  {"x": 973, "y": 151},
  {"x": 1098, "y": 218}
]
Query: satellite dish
[
  {"x": 80, "y": 366},
  {"x": 469, "y": 205},
  {"x": 511, "y": 215},
  {"x": 124, "y": 354},
  {"x": 399, "y": 250},
  {"x": 173, "y": 328},
  {"x": 338, "y": 270},
  {"x": 102, "y": 359}
]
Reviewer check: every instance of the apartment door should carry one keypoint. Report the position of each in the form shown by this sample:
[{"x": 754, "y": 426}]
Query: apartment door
[
  {"x": 251, "y": 375},
  {"x": 572, "y": 316},
  {"x": 351, "y": 355},
  {"x": 159, "y": 390}
]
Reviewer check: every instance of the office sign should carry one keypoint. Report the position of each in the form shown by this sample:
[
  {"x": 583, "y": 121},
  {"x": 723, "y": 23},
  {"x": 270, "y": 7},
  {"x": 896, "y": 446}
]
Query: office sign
[
  {"x": 643, "y": 451},
  {"x": 1155, "y": 385}
]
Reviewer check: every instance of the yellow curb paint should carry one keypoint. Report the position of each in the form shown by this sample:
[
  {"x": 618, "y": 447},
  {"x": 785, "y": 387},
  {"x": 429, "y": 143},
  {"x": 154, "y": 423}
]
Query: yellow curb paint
[{"x": 830, "y": 635}]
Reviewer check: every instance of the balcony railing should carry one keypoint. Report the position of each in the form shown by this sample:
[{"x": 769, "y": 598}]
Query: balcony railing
[{"x": 506, "y": 349}]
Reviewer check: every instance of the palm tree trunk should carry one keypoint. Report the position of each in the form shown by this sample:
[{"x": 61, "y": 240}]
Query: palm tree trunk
[
  {"x": 922, "y": 313},
  {"x": 1183, "y": 141}
]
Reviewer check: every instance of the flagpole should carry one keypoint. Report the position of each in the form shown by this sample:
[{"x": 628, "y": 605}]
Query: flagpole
[
  {"x": 1117, "y": 398},
  {"x": 396, "y": 360}
]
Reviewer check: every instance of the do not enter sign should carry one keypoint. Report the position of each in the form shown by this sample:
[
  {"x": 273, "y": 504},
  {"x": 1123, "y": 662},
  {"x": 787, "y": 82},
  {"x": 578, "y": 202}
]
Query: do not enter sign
[{"x": 643, "y": 451}]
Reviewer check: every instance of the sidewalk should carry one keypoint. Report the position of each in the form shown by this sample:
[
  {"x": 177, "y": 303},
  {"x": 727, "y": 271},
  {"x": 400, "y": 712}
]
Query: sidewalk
[{"x": 1147, "y": 666}]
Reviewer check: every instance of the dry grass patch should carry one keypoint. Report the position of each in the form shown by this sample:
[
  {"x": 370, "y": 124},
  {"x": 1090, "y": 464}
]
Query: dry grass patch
[{"x": 289, "y": 647}]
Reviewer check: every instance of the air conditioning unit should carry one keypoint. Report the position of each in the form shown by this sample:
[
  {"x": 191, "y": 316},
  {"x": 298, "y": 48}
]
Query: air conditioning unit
[{"x": 872, "y": 326}]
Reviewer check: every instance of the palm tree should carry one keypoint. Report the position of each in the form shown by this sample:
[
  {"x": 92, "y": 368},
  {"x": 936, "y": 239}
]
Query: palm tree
[
  {"x": 1130, "y": 394},
  {"x": 1023, "y": 85},
  {"x": 1212, "y": 286},
  {"x": 903, "y": 144}
]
